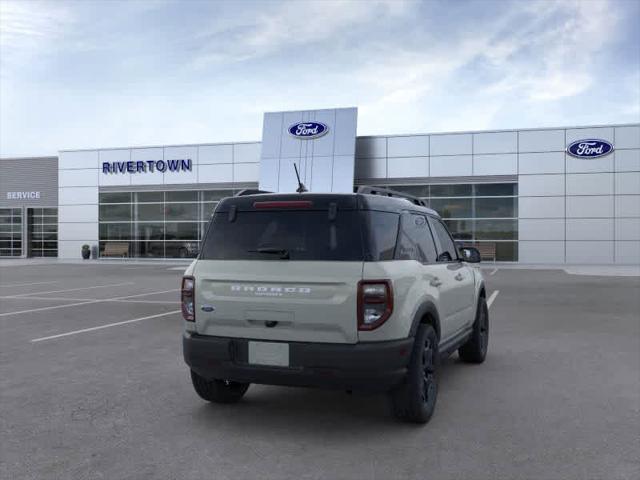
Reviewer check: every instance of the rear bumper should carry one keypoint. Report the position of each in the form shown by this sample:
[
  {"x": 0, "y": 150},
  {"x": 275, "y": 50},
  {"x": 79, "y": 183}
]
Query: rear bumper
[{"x": 372, "y": 366}]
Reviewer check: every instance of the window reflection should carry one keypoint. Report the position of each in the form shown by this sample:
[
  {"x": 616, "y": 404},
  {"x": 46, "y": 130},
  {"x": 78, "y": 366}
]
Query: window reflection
[
  {"x": 477, "y": 214},
  {"x": 153, "y": 224}
]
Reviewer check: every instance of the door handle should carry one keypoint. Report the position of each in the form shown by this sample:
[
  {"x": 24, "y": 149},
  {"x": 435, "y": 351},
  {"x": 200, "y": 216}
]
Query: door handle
[
  {"x": 459, "y": 277},
  {"x": 435, "y": 282}
]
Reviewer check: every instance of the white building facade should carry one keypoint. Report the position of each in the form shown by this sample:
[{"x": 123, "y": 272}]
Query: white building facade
[{"x": 519, "y": 193}]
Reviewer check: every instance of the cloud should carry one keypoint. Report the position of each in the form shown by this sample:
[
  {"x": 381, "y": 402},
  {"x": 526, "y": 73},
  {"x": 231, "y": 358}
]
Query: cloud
[
  {"x": 28, "y": 27},
  {"x": 117, "y": 73},
  {"x": 532, "y": 53},
  {"x": 287, "y": 25}
]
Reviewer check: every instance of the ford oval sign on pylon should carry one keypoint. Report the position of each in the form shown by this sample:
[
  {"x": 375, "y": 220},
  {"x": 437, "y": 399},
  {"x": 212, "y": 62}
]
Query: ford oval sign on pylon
[
  {"x": 308, "y": 130},
  {"x": 590, "y": 148}
]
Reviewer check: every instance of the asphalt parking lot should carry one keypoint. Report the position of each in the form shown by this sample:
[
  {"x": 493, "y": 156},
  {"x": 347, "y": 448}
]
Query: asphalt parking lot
[{"x": 558, "y": 397}]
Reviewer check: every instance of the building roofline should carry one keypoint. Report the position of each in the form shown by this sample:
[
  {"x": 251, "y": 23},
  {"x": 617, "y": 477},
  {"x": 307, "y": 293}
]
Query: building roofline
[
  {"x": 313, "y": 110},
  {"x": 418, "y": 134},
  {"x": 505, "y": 130},
  {"x": 206, "y": 144},
  {"x": 44, "y": 157}
]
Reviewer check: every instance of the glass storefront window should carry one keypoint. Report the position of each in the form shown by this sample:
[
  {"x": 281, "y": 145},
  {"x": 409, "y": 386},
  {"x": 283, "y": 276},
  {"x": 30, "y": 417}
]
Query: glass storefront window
[
  {"x": 149, "y": 212},
  {"x": 10, "y": 232},
  {"x": 208, "y": 209},
  {"x": 415, "y": 190},
  {"x": 153, "y": 197},
  {"x": 42, "y": 231},
  {"x": 495, "y": 189},
  {"x": 115, "y": 213},
  {"x": 116, "y": 197},
  {"x": 181, "y": 231},
  {"x": 157, "y": 224},
  {"x": 148, "y": 249},
  {"x": 456, "y": 190},
  {"x": 181, "y": 211},
  {"x": 182, "y": 249},
  {"x": 188, "y": 196},
  {"x": 496, "y": 207},
  {"x": 452, "y": 207},
  {"x": 149, "y": 231},
  {"x": 171, "y": 224},
  {"x": 460, "y": 229},
  {"x": 496, "y": 229},
  {"x": 115, "y": 231},
  {"x": 476, "y": 213}
]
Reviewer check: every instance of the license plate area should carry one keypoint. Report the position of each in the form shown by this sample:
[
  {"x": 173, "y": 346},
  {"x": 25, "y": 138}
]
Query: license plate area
[{"x": 269, "y": 353}]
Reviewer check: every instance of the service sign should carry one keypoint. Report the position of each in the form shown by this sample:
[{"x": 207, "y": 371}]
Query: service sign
[
  {"x": 589, "y": 148},
  {"x": 308, "y": 130},
  {"x": 23, "y": 195}
]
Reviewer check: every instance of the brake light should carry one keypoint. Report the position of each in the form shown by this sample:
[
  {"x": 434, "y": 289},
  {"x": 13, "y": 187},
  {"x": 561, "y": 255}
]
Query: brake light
[
  {"x": 375, "y": 303},
  {"x": 188, "y": 294},
  {"x": 283, "y": 204}
]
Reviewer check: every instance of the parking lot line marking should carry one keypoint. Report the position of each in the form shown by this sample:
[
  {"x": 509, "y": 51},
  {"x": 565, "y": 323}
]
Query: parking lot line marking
[
  {"x": 149, "y": 293},
  {"x": 492, "y": 297},
  {"x": 75, "y": 289},
  {"x": 157, "y": 292},
  {"x": 24, "y": 284},
  {"x": 86, "y": 302},
  {"x": 67, "y": 299},
  {"x": 84, "y": 330},
  {"x": 41, "y": 309},
  {"x": 493, "y": 272}
]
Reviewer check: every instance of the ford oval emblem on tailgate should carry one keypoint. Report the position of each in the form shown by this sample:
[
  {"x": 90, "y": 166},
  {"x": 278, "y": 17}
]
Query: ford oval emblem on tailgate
[{"x": 207, "y": 308}]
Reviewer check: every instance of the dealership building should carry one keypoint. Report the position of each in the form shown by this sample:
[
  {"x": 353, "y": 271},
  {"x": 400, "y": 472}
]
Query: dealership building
[{"x": 544, "y": 195}]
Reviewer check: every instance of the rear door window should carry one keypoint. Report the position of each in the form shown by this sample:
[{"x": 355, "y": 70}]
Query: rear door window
[
  {"x": 414, "y": 239},
  {"x": 446, "y": 247},
  {"x": 284, "y": 234}
]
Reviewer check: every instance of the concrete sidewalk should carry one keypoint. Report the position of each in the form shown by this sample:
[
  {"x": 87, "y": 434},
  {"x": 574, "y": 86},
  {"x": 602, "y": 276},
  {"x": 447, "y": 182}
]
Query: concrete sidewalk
[
  {"x": 19, "y": 262},
  {"x": 593, "y": 270}
]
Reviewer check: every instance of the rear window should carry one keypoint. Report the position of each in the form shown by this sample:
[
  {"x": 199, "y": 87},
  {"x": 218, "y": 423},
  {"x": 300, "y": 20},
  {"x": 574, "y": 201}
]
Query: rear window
[
  {"x": 302, "y": 235},
  {"x": 275, "y": 235}
]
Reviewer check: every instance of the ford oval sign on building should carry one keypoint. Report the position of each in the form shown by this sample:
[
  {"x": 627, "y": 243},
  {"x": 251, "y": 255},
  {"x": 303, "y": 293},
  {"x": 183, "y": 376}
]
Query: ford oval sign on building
[
  {"x": 590, "y": 148},
  {"x": 308, "y": 130}
]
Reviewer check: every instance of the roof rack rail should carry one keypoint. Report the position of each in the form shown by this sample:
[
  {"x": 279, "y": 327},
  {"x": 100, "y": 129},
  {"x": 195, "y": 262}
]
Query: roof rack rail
[
  {"x": 385, "y": 192},
  {"x": 250, "y": 191}
]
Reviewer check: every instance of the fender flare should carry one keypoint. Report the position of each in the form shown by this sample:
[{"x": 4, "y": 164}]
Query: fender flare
[
  {"x": 429, "y": 308},
  {"x": 481, "y": 288}
]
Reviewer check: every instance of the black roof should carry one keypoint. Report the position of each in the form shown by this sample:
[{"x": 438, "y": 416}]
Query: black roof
[{"x": 321, "y": 201}]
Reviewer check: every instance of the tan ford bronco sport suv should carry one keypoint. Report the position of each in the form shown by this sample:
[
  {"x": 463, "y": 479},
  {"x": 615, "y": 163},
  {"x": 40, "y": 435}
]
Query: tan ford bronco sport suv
[{"x": 363, "y": 291}]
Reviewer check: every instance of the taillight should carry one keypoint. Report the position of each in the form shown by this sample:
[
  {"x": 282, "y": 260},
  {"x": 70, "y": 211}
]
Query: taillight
[
  {"x": 375, "y": 303},
  {"x": 188, "y": 293}
]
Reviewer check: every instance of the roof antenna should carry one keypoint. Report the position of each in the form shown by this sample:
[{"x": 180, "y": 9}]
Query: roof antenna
[{"x": 301, "y": 188}]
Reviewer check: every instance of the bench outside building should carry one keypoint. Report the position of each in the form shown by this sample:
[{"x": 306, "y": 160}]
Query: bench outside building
[{"x": 116, "y": 250}]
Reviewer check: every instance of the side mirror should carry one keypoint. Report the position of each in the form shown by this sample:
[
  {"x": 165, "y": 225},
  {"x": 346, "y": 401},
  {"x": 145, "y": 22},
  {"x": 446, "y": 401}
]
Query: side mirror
[{"x": 470, "y": 254}]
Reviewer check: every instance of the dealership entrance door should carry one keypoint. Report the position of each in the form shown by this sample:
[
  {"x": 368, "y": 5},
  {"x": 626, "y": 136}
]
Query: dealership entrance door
[
  {"x": 10, "y": 232},
  {"x": 42, "y": 232}
]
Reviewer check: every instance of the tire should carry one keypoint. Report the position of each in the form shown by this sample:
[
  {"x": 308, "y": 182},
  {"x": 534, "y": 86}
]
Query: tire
[
  {"x": 218, "y": 391},
  {"x": 415, "y": 400},
  {"x": 475, "y": 349}
]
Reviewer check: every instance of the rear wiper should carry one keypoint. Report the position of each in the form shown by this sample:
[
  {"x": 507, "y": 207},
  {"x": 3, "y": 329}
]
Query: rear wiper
[{"x": 284, "y": 254}]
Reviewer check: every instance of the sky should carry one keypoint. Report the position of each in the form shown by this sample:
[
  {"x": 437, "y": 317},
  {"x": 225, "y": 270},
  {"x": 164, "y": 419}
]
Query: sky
[{"x": 85, "y": 74}]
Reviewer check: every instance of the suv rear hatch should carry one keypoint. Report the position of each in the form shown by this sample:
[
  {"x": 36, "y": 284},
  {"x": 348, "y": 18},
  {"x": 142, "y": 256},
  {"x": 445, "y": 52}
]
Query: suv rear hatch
[{"x": 281, "y": 267}]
